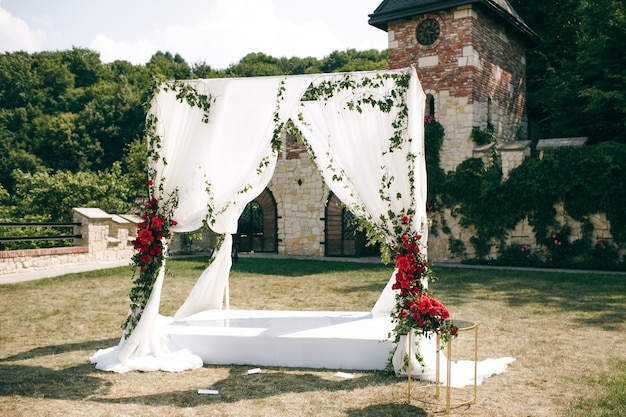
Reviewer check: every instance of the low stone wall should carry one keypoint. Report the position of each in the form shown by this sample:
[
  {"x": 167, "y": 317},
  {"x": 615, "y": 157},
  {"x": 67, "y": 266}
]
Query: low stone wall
[
  {"x": 106, "y": 238},
  {"x": 440, "y": 244}
]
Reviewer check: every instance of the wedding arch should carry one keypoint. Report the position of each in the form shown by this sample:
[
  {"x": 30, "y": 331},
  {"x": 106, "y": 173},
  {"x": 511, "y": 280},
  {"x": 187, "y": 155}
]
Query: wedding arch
[{"x": 213, "y": 146}]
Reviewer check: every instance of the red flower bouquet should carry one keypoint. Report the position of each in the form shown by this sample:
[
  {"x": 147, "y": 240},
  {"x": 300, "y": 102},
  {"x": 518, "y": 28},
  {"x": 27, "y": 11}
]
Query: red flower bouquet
[
  {"x": 152, "y": 235},
  {"x": 415, "y": 309}
]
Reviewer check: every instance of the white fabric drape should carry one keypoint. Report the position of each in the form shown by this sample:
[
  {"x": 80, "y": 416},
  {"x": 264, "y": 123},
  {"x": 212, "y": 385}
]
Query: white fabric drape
[
  {"x": 237, "y": 139},
  {"x": 352, "y": 150},
  {"x": 216, "y": 168},
  {"x": 147, "y": 348},
  {"x": 355, "y": 145}
]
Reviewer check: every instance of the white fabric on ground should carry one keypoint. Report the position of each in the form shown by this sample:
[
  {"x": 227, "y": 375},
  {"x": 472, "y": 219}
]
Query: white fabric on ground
[{"x": 461, "y": 371}]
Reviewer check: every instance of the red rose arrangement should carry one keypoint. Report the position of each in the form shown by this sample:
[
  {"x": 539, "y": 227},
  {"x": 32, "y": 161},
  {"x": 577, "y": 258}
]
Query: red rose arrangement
[
  {"x": 415, "y": 309},
  {"x": 150, "y": 237},
  {"x": 152, "y": 234}
]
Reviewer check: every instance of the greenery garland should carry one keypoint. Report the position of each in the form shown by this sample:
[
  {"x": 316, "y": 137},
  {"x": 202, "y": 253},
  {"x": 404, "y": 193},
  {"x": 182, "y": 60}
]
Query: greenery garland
[{"x": 155, "y": 230}]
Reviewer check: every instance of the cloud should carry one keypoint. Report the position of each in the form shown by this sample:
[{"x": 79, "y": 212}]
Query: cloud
[
  {"x": 137, "y": 53},
  {"x": 233, "y": 28},
  {"x": 16, "y": 35}
]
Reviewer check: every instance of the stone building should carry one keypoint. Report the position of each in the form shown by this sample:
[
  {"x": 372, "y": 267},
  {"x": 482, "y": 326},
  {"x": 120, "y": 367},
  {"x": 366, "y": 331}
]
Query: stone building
[
  {"x": 470, "y": 57},
  {"x": 471, "y": 60}
]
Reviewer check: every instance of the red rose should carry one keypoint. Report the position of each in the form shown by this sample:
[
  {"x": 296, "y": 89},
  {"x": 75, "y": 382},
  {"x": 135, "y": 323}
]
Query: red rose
[
  {"x": 157, "y": 223},
  {"x": 145, "y": 237},
  {"x": 406, "y": 219},
  {"x": 403, "y": 262}
]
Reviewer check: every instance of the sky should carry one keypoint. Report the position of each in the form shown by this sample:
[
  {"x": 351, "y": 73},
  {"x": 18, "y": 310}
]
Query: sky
[{"x": 215, "y": 32}]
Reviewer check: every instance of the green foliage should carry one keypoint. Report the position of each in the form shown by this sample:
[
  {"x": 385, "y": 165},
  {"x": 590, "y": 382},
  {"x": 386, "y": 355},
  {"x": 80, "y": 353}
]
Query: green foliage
[
  {"x": 353, "y": 60},
  {"x": 576, "y": 81},
  {"x": 51, "y": 197},
  {"x": 473, "y": 191},
  {"x": 518, "y": 255},
  {"x": 586, "y": 181},
  {"x": 135, "y": 167},
  {"x": 457, "y": 247},
  {"x": 168, "y": 66},
  {"x": 482, "y": 137}
]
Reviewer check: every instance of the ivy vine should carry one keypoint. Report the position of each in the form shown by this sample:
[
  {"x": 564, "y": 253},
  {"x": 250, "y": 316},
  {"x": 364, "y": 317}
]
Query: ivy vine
[
  {"x": 586, "y": 181},
  {"x": 154, "y": 231}
]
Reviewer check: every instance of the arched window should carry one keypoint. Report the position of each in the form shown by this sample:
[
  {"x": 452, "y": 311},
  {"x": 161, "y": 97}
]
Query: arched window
[
  {"x": 429, "y": 111},
  {"x": 341, "y": 235},
  {"x": 257, "y": 229}
]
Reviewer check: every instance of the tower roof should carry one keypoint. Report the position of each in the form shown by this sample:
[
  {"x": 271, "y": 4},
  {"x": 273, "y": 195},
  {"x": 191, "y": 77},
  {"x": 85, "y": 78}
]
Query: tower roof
[{"x": 390, "y": 10}]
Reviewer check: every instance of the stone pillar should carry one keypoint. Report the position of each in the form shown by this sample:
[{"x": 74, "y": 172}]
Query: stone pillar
[{"x": 512, "y": 154}]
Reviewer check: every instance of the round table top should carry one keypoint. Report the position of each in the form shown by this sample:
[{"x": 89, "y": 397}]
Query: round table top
[{"x": 463, "y": 324}]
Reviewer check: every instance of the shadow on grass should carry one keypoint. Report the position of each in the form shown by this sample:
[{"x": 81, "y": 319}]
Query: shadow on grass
[
  {"x": 298, "y": 267},
  {"x": 601, "y": 297},
  {"x": 73, "y": 383},
  {"x": 239, "y": 386},
  {"x": 92, "y": 345},
  {"x": 81, "y": 382},
  {"x": 388, "y": 410}
]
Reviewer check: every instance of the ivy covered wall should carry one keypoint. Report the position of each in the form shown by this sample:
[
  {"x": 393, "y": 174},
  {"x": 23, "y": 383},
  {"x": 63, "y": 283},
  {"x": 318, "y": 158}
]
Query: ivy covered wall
[{"x": 565, "y": 209}]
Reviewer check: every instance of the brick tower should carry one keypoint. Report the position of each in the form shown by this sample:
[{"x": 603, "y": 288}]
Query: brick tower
[{"x": 471, "y": 59}]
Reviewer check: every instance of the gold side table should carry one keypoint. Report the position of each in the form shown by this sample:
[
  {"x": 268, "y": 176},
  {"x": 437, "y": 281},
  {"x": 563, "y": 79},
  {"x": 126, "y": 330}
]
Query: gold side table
[{"x": 463, "y": 326}]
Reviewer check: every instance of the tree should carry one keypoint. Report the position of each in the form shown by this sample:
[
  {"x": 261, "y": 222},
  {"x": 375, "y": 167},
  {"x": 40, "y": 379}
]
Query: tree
[
  {"x": 51, "y": 197},
  {"x": 85, "y": 65},
  {"x": 169, "y": 66},
  {"x": 353, "y": 60},
  {"x": 135, "y": 167},
  {"x": 58, "y": 143},
  {"x": 53, "y": 81},
  {"x": 17, "y": 81},
  {"x": 254, "y": 65},
  {"x": 576, "y": 81}
]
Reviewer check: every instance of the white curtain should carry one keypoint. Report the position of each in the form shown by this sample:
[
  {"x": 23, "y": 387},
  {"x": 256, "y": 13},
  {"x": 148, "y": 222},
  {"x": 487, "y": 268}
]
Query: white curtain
[
  {"x": 237, "y": 139},
  {"x": 352, "y": 150},
  {"x": 214, "y": 169}
]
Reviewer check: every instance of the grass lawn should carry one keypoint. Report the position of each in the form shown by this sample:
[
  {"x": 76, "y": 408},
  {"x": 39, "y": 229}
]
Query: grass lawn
[{"x": 567, "y": 332}]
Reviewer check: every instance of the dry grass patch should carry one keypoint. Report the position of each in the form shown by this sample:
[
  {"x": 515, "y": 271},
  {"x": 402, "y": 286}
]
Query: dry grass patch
[{"x": 566, "y": 331}]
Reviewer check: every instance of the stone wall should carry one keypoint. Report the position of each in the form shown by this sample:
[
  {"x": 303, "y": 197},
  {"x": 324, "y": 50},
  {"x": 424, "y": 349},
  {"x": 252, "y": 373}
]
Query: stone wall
[
  {"x": 300, "y": 201},
  {"x": 441, "y": 245},
  {"x": 106, "y": 238},
  {"x": 475, "y": 73}
]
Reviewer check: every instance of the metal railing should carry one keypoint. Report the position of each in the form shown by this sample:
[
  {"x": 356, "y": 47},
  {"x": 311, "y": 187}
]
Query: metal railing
[{"x": 27, "y": 238}]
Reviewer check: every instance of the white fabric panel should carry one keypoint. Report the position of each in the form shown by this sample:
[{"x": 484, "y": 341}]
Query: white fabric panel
[
  {"x": 356, "y": 144},
  {"x": 147, "y": 348},
  {"x": 210, "y": 166},
  {"x": 242, "y": 118}
]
